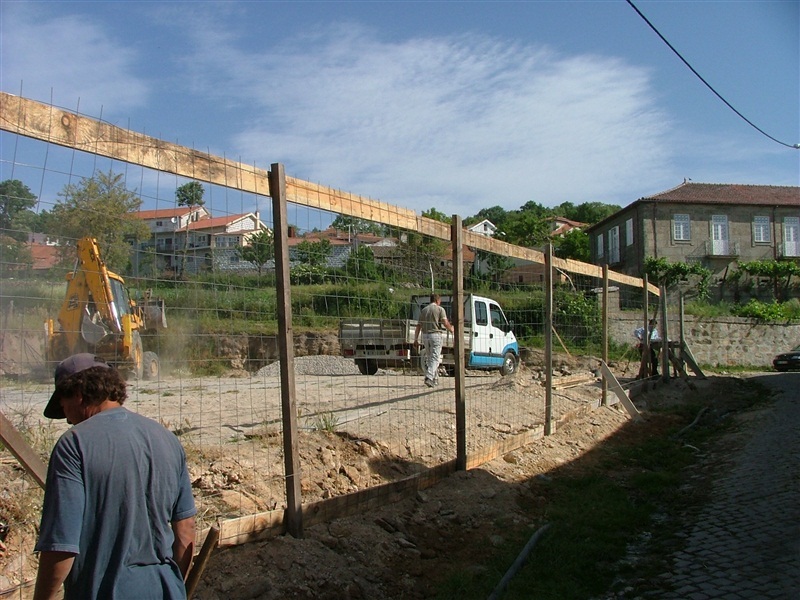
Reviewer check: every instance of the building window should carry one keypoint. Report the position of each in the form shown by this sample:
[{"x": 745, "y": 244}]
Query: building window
[
  {"x": 613, "y": 245},
  {"x": 629, "y": 232},
  {"x": 761, "y": 233},
  {"x": 791, "y": 236},
  {"x": 159, "y": 223},
  {"x": 600, "y": 248},
  {"x": 681, "y": 228}
]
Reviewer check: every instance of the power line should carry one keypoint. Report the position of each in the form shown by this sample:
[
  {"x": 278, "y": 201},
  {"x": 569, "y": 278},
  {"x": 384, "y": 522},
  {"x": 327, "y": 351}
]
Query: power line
[{"x": 708, "y": 85}]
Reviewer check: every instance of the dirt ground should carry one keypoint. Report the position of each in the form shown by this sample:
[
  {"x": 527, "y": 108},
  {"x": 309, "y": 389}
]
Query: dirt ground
[
  {"x": 405, "y": 550},
  {"x": 401, "y": 550}
]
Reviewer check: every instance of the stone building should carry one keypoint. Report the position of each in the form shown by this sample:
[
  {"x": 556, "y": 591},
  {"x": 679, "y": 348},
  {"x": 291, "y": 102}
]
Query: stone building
[{"x": 716, "y": 225}]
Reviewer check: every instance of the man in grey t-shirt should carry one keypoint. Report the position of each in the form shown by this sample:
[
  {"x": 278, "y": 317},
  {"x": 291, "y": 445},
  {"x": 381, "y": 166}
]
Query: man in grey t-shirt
[
  {"x": 118, "y": 514},
  {"x": 432, "y": 323}
]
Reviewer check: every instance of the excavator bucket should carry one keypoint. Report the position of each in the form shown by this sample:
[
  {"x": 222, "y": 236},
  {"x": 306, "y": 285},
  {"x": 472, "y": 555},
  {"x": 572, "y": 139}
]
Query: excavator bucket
[{"x": 154, "y": 312}]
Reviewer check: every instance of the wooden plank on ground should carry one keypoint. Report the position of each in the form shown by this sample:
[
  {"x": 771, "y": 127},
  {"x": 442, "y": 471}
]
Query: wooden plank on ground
[
  {"x": 268, "y": 524},
  {"x": 505, "y": 446},
  {"x": 560, "y": 383}
]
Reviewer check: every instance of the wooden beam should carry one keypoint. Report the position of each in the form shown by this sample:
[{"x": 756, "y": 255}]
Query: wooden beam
[
  {"x": 459, "y": 390},
  {"x": 548, "y": 341},
  {"x": 201, "y": 560},
  {"x": 66, "y": 128},
  {"x": 27, "y": 456},
  {"x": 614, "y": 386},
  {"x": 272, "y": 523},
  {"x": 291, "y": 449}
]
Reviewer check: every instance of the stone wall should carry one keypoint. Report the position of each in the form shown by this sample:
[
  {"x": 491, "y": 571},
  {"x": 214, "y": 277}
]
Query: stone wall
[{"x": 722, "y": 341}]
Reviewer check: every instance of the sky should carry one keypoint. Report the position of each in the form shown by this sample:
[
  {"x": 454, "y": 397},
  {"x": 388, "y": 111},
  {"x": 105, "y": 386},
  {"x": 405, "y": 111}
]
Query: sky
[{"x": 456, "y": 106}]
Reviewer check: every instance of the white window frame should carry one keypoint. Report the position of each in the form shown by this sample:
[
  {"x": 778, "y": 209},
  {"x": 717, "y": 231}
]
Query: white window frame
[
  {"x": 613, "y": 245},
  {"x": 681, "y": 228},
  {"x": 600, "y": 247},
  {"x": 791, "y": 236},
  {"x": 762, "y": 230},
  {"x": 629, "y": 232}
]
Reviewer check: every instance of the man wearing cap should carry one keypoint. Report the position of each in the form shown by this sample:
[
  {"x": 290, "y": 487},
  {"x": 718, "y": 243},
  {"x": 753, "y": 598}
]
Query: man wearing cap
[{"x": 118, "y": 514}]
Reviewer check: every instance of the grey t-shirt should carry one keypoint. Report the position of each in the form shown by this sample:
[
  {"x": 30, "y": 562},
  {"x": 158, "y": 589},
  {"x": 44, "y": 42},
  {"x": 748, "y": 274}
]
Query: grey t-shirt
[
  {"x": 115, "y": 482},
  {"x": 432, "y": 318}
]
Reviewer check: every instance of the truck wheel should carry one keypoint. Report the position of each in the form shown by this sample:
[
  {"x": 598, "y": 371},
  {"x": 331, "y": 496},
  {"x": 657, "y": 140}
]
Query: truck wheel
[
  {"x": 366, "y": 366},
  {"x": 151, "y": 365},
  {"x": 509, "y": 364}
]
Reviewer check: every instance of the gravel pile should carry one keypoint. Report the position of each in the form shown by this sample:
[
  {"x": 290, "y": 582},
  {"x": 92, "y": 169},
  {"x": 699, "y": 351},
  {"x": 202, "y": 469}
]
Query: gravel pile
[{"x": 314, "y": 365}]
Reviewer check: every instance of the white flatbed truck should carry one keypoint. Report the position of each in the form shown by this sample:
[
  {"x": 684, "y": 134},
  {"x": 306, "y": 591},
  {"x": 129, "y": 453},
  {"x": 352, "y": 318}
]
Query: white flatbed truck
[{"x": 489, "y": 341}]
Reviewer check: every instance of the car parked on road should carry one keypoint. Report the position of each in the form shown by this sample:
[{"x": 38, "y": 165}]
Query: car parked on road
[{"x": 787, "y": 360}]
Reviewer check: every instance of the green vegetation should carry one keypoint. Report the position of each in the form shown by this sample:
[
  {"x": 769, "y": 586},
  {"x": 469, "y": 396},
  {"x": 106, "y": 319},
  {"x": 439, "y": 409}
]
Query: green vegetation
[
  {"x": 775, "y": 274},
  {"x": 662, "y": 272}
]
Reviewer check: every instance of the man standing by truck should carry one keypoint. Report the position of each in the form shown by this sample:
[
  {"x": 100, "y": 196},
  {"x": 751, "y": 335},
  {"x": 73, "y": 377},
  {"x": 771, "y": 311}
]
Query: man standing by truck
[{"x": 432, "y": 323}]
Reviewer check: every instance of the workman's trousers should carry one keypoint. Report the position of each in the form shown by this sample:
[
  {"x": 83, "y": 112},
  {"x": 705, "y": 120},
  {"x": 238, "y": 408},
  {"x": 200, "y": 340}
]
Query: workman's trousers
[{"x": 433, "y": 355}]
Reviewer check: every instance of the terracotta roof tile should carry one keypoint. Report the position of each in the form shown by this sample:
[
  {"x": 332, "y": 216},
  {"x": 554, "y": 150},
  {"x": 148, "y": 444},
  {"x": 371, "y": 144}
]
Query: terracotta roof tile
[{"x": 727, "y": 193}]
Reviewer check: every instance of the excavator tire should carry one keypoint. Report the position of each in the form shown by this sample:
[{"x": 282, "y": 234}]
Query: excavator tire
[
  {"x": 151, "y": 365},
  {"x": 137, "y": 356}
]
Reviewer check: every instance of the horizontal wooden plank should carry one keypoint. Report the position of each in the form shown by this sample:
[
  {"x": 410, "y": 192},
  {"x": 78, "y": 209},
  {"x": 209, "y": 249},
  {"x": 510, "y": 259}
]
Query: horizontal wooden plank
[
  {"x": 64, "y": 128},
  {"x": 69, "y": 129},
  {"x": 504, "y": 446},
  {"x": 271, "y": 523}
]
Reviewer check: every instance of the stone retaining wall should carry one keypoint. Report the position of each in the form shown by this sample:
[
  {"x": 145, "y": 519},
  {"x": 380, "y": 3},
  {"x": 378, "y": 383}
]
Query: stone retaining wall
[{"x": 722, "y": 341}]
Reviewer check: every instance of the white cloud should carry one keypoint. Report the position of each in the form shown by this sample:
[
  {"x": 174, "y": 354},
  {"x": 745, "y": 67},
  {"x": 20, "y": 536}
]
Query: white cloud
[
  {"x": 456, "y": 123},
  {"x": 70, "y": 57}
]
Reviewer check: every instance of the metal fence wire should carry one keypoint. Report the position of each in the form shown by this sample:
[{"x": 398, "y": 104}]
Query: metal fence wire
[{"x": 287, "y": 366}]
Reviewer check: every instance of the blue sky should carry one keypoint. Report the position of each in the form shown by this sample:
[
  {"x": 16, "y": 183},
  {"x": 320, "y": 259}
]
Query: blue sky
[{"x": 453, "y": 105}]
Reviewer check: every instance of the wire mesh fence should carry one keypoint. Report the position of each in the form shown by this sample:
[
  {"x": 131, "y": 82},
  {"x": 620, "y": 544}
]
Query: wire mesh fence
[{"x": 272, "y": 324}]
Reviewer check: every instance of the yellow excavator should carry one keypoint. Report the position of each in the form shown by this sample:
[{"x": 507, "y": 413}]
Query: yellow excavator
[{"x": 99, "y": 316}]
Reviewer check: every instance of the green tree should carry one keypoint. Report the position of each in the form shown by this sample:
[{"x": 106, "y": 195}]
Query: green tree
[
  {"x": 498, "y": 265},
  {"x": 16, "y": 216},
  {"x": 573, "y": 244},
  {"x": 588, "y": 212},
  {"x": 496, "y": 214},
  {"x": 355, "y": 225},
  {"x": 314, "y": 253},
  {"x": 662, "y": 272},
  {"x": 259, "y": 250},
  {"x": 436, "y": 215},
  {"x": 100, "y": 207},
  {"x": 14, "y": 255},
  {"x": 190, "y": 194},
  {"x": 775, "y": 271},
  {"x": 361, "y": 264},
  {"x": 528, "y": 228}
]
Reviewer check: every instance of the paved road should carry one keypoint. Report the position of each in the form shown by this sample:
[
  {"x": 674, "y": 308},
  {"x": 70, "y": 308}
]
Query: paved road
[{"x": 746, "y": 541}]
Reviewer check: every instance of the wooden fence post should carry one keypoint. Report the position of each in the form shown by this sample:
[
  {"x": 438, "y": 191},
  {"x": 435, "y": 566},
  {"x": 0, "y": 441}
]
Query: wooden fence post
[
  {"x": 604, "y": 400},
  {"x": 291, "y": 453},
  {"x": 548, "y": 340},
  {"x": 458, "y": 341}
]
